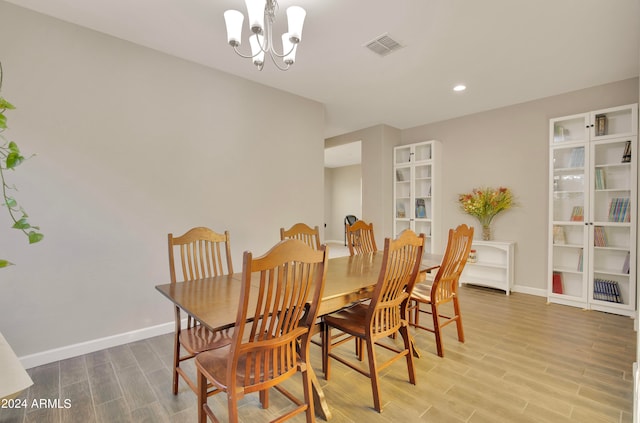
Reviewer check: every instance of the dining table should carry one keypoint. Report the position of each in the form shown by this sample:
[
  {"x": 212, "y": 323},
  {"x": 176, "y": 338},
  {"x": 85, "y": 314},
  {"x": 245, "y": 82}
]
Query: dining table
[{"x": 214, "y": 301}]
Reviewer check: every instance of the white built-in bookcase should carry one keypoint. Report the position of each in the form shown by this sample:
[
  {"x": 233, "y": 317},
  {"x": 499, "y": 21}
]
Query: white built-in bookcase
[
  {"x": 416, "y": 191},
  {"x": 593, "y": 210}
]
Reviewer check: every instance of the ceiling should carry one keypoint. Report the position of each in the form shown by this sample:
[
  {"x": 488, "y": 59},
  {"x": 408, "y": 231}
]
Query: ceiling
[{"x": 505, "y": 51}]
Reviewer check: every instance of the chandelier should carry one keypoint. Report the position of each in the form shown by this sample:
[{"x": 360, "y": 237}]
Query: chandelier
[{"x": 262, "y": 15}]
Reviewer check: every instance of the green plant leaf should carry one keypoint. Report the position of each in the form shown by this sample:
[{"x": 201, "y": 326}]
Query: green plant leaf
[
  {"x": 35, "y": 237},
  {"x": 4, "y": 104},
  {"x": 10, "y": 202},
  {"x": 14, "y": 159},
  {"x": 3, "y": 121},
  {"x": 4, "y": 263},
  {"x": 13, "y": 147},
  {"x": 21, "y": 224}
]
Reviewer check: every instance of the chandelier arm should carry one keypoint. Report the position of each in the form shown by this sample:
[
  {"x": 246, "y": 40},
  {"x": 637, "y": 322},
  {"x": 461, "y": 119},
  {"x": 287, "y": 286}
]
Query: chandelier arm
[
  {"x": 273, "y": 59},
  {"x": 235, "y": 48},
  {"x": 269, "y": 46},
  {"x": 273, "y": 50}
]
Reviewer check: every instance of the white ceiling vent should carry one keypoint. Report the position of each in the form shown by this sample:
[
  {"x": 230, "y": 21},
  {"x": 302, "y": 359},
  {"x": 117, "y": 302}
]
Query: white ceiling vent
[{"x": 383, "y": 45}]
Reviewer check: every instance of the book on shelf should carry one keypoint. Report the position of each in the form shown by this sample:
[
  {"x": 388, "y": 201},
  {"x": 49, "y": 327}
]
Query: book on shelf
[
  {"x": 606, "y": 290},
  {"x": 599, "y": 236},
  {"x": 576, "y": 159},
  {"x": 557, "y": 283},
  {"x": 626, "y": 156},
  {"x": 577, "y": 214},
  {"x": 580, "y": 260},
  {"x": 600, "y": 179},
  {"x": 399, "y": 175},
  {"x": 601, "y": 125},
  {"x": 558, "y": 235},
  {"x": 625, "y": 265},
  {"x": 421, "y": 211},
  {"x": 619, "y": 210}
]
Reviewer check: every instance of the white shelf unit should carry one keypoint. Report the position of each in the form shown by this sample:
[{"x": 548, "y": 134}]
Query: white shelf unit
[
  {"x": 494, "y": 267},
  {"x": 593, "y": 210},
  {"x": 416, "y": 191}
]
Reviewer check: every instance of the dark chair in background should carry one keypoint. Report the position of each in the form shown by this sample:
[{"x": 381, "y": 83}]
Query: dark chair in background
[{"x": 348, "y": 221}]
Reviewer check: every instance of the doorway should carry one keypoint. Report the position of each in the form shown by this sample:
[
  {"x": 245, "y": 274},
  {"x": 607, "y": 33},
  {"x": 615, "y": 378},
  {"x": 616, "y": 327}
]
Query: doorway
[{"x": 343, "y": 187}]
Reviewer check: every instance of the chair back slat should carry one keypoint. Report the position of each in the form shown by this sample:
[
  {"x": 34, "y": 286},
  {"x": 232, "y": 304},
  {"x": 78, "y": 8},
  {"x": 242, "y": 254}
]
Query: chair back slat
[
  {"x": 287, "y": 282},
  {"x": 360, "y": 238},
  {"x": 304, "y": 233},
  {"x": 445, "y": 283},
  {"x": 401, "y": 263},
  {"x": 201, "y": 252}
]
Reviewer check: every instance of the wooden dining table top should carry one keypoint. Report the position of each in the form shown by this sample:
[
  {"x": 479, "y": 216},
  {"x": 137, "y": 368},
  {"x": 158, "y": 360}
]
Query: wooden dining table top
[{"x": 214, "y": 301}]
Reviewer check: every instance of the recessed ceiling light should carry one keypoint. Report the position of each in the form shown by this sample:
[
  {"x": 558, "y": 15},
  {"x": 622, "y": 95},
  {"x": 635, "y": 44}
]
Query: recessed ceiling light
[{"x": 460, "y": 87}]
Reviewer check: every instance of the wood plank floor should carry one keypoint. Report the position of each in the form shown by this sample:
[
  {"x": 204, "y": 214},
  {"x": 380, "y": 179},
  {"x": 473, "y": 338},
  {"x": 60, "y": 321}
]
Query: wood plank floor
[{"x": 523, "y": 361}]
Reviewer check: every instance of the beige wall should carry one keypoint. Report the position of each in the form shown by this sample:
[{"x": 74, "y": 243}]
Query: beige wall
[
  {"x": 509, "y": 147},
  {"x": 343, "y": 188},
  {"x": 131, "y": 145}
]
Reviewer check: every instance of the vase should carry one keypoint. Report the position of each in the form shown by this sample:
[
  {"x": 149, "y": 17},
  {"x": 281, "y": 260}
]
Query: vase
[{"x": 486, "y": 232}]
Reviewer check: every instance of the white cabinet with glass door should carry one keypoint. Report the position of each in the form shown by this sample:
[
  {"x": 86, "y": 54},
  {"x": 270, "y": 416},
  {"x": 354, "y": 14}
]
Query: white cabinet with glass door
[
  {"x": 416, "y": 192},
  {"x": 593, "y": 203}
]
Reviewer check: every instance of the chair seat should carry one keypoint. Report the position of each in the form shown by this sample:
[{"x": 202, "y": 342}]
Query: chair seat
[
  {"x": 422, "y": 292},
  {"x": 350, "y": 320},
  {"x": 213, "y": 364},
  {"x": 198, "y": 339}
]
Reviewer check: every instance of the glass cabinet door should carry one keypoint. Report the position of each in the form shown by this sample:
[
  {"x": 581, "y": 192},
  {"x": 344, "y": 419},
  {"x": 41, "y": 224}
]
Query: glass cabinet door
[
  {"x": 570, "y": 230},
  {"x": 570, "y": 129},
  {"x": 402, "y": 155},
  {"x": 613, "y": 211},
  {"x": 615, "y": 122}
]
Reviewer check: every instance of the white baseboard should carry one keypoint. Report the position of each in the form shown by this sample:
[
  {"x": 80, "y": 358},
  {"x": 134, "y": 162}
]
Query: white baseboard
[
  {"x": 62, "y": 353},
  {"x": 528, "y": 290}
]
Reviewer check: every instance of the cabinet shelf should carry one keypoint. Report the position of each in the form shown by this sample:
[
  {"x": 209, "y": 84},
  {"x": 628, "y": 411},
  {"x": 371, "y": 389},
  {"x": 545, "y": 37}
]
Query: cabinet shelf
[
  {"x": 569, "y": 170},
  {"x": 568, "y": 270}
]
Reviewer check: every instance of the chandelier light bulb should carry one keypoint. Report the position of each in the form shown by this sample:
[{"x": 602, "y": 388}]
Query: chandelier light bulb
[
  {"x": 255, "y": 9},
  {"x": 295, "y": 18},
  {"x": 257, "y": 41},
  {"x": 233, "y": 19}
]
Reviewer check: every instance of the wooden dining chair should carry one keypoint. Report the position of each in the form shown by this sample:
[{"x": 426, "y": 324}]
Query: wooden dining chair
[
  {"x": 287, "y": 283},
  {"x": 444, "y": 288},
  {"x": 385, "y": 315},
  {"x": 303, "y": 232},
  {"x": 197, "y": 254},
  {"x": 360, "y": 238}
]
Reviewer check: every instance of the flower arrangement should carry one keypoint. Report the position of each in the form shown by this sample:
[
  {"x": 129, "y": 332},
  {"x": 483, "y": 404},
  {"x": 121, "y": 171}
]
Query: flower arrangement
[{"x": 484, "y": 204}]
